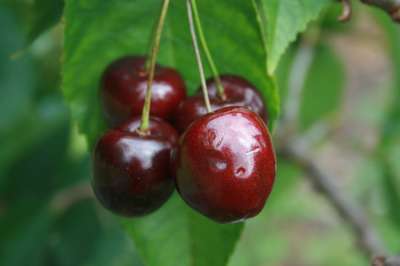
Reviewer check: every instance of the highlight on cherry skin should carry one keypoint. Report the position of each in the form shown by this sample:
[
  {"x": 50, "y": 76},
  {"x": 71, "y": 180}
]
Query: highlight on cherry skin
[
  {"x": 124, "y": 85},
  {"x": 131, "y": 170},
  {"x": 238, "y": 89},
  {"x": 238, "y": 92},
  {"x": 225, "y": 165}
]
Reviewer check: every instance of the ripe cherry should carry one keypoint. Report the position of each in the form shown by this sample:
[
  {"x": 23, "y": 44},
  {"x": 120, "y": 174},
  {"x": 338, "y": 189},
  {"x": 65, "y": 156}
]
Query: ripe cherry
[
  {"x": 225, "y": 166},
  {"x": 132, "y": 174},
  {"x": 124, "y": 85},
  {"x": 238, "y": 92},
  {"x": 238, "y": 89},
  {"x": 194, "y": 107}
]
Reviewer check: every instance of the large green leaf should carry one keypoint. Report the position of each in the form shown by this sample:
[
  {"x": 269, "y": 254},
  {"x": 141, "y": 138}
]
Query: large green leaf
[
  {"x": 97, "y": 32},
  {"x": 176, "y": 235},
  {"x": 284, "y": 20}
]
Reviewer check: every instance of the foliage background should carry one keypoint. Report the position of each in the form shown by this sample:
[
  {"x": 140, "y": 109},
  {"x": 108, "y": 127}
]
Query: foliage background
[{"x": 348, "y": 108}]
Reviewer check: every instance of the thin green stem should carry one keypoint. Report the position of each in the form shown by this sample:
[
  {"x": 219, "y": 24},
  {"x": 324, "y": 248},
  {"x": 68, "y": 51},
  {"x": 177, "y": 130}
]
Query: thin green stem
[
  {"x": 220, "y": 88},
  {"x": 151, "y": 67},
  {"x": 198, "y": 56}
]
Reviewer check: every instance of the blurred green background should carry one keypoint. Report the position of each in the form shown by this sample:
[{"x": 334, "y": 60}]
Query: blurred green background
[{"x": 349, "y": 108}]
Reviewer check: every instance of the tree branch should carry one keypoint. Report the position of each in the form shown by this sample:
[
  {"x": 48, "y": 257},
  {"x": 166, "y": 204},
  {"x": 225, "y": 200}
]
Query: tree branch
[
  {"x": 392, "y": 7},
  {"x": 293, "y": 148},
  {"x": 382, "y": 261}
]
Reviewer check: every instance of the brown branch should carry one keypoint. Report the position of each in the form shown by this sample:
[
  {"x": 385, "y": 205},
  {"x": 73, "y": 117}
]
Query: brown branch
[
  {"x": 382, "y": 261},
  {"x": 392, "y": 7},
  {"x": 290, "y": 146}
]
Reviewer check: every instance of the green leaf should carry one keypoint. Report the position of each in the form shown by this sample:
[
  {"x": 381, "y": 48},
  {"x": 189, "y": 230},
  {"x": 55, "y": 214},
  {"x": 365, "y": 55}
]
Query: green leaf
[
  {"x": 36, "y": 16},
  {"x": 177, "y": 236},
  {"x": 97, "y": 32},
  {"x": 44, "y": 15},
  {"x": 81, "y": 226},
  {"x": 25, "y": 231},
  {"x": 163, "y": 237},
  {"x": 284, "y": 20},
  {"x": 323, "y": 87},
  {"x": 16, "y": 75}
]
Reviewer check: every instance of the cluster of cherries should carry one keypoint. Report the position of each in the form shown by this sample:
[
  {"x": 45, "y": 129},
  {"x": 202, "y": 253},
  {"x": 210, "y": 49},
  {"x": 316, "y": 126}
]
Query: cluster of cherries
[{"x": 222, "y": 163}]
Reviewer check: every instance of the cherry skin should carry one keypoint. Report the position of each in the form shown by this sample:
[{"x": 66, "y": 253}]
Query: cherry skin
[
  {"x": 238, "y": 89},
  {"x": 225, "y": 166},
  {"x": 238, "y": 92},
  {"x": 132, "y": 173},
  {"x": 194, "y": 107},
  {"x": 123, "y": 89}
]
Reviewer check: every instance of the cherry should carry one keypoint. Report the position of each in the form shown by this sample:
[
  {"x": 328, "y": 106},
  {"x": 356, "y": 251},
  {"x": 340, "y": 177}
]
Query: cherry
[
  {"x": 238, "y": 92},
  {"x": 225, "y": 166},
  {"x": 132, "y": 174},
  {"x": 237, "y": 89},
  {"x": 193, "y": 107},
  {"x": 124, "y": 85}
]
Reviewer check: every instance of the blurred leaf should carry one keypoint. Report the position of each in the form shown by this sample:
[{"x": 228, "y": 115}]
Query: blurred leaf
[
  {"x": 16, "y": 75},
  {"x": 37, "y": 169},
  {"x": 329, "y": 21},
  {"x": 162, "y": 238},
  {"x": 49, "y": 116},
  {"x": 44, "y": 15},
  {"x": 35, "y": 16},
  {"x": 390, "y": 133},
  {"x": 103, "y": 241},
  {"x": 284, "y": 20},
  {"x": 24, "y": 240},
  {"x": 323, "y": 87},
  {"x": 231, "y": 30},
  {"x": 391, "y": 185},
  {"x": 75, "y": 229},
  {"x": 211, "y": 243},
  {"x": 176, "y": 235},
  {"x": 283, "y": 72}
]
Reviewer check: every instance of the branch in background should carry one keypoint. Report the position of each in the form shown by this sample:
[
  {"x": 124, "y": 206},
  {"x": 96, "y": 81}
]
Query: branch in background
[
  {"x": 392, "y": 7},
  {"x": 291, "y": 147},
  {"x": 368, "y": 239},
  {"x": 382, "y": 261}
]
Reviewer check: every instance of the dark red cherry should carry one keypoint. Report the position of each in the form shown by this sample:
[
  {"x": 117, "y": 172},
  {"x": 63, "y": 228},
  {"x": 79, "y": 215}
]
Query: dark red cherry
[
  {"x": 132, "y": 173},
  {"x": 238, "y": 92},
  {"x": 124, "y": 85},
  {"x": 237, "y": 89},
  {"x": 225, "y": 165},
  {"x": 194, "y": 107}
]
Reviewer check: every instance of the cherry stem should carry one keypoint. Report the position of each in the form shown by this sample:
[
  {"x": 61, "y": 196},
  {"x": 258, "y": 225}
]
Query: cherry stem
[
  {"x": 198, "y": 56},
  {"x": 152, "y": 65},
  {"x": 220, "y": 88}
]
